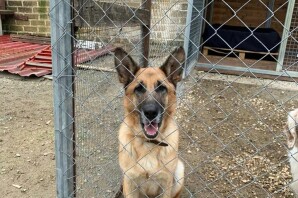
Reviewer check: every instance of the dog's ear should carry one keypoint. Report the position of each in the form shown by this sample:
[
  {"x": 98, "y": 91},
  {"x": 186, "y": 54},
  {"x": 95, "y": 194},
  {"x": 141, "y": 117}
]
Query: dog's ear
[
  {"x": 290, "y": 129},
  {"x": 173, "y": 66},
  {"x": 126, "y": 67}
]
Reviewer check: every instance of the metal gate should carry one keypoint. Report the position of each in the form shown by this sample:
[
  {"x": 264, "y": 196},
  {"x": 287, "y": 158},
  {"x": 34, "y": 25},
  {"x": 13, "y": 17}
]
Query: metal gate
[{"x": 232, "y": 137}]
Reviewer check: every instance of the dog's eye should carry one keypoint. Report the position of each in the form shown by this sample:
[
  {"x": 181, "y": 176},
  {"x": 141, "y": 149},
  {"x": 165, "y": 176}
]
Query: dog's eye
[
  {"x": 161, "y": 89},
  {"x": 140, "y": 89}
]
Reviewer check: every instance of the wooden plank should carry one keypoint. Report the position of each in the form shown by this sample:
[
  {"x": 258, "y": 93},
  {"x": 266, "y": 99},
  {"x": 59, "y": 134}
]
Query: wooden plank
[
  {"x": 145, "y": 36},
  {"x": 242, "y": 55},
  {"x": 211, "y": 12},
  {"x": 237, "y": 50},
  {"x": 235, "y": 62},
  {"x": 269, "y": 13},
  {"x": 110, "y": 14},
  {"x": 205, "y": 51},
  {"x": 248, "y": 74},
  {"x": 31, "y": 39},
  {"x": 252, "y": 14}
]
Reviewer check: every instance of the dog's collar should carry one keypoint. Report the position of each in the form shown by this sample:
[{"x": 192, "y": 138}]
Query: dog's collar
[{"x": 157, "y": 142}]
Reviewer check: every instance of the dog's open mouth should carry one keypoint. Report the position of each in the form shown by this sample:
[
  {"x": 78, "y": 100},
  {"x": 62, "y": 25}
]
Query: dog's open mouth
[{"x": 151, "y": 129}]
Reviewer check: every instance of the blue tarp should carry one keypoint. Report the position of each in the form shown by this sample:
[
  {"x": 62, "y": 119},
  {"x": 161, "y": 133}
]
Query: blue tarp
[{"x": 242, "y": 38}]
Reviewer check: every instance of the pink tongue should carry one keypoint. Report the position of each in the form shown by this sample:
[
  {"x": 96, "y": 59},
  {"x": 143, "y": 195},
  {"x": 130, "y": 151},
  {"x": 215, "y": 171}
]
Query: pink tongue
[{"x": 151, "y": 129}]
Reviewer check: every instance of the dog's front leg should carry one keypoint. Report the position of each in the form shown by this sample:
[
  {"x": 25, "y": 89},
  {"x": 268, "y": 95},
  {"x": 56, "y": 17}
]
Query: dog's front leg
[
  {"x": 130, "y": 189},
  {"x": 167, "y": 183},
  {"x": 167, "y": 193}
]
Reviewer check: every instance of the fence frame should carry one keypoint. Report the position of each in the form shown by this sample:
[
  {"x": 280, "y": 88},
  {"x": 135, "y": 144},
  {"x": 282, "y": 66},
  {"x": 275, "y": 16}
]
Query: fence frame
[
  {"x": 285, "y": 35},
  {"x": 63, "y": 78},
  {"x": 194, "y": 23}
]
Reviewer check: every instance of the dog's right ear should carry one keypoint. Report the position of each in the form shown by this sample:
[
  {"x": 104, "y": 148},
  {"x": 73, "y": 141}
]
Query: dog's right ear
[
  {"x": 126, "y": 67},
  {"x": 290, "y": 129}
]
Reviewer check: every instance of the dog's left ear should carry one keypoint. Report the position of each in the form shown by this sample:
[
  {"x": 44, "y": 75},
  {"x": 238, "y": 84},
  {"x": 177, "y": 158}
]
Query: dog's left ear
[{"x": 173, "y": 66}]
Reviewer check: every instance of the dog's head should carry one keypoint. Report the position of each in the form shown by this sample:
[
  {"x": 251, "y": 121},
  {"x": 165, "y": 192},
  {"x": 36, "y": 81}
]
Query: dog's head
[
  {"x": 291, "y": 129},
  {"x": 150, "y": 96}
]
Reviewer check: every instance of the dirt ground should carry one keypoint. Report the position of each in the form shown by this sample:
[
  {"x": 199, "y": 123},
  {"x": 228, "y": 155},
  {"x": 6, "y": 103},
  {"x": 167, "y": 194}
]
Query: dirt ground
[
  {"x": 232, "y": 141},
  {"x": 231, "y": 135},
  {"x": 26, "y": 137}
]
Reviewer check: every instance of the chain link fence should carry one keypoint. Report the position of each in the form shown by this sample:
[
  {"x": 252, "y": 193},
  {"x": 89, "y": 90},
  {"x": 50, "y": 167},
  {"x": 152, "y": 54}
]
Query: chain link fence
[{"x": 231, "y": 138}]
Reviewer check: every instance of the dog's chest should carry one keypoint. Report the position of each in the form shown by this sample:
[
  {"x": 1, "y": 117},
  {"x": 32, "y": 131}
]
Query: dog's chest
[
  {"x": 154, "y": 162},
  {"x": 155, "y": 171},
  {"x": 151, "y": 161}
]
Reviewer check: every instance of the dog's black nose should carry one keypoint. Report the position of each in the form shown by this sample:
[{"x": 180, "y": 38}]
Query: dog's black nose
[{"x": 150, "y": 111}]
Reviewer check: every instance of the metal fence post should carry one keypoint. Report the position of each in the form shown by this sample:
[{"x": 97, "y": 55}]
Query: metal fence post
[
  {"x": 62, "y": 62},
  {"x": 146, "y": 4}
]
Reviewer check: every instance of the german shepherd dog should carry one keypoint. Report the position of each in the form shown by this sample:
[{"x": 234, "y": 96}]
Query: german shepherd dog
[{"x": 148, "y": 136}]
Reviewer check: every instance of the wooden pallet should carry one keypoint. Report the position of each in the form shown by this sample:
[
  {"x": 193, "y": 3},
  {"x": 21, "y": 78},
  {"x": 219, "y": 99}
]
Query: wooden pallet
[{"x": 241, "y": 53}]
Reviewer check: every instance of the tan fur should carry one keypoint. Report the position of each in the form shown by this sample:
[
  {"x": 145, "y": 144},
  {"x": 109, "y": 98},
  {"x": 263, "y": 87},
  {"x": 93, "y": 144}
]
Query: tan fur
[
  {"x": 292, "y": 141},
  {"x": 148, "y": 168}
]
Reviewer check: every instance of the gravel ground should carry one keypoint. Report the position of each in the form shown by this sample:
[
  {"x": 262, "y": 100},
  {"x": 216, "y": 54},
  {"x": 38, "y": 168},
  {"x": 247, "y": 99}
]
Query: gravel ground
[
  {"x": 232, "y": 139},
  {"x": 231, "y": 135}
]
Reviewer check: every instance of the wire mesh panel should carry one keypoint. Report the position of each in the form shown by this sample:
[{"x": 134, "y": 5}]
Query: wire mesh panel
[{"x": 144, "y": 131}]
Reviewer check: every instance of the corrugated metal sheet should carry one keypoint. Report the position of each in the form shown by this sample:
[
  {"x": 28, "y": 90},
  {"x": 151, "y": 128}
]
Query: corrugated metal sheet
[
  {"x": 83, "y": 55},
  {"x": 14, "y": 54},
  {"x": 26, "y": 59}
]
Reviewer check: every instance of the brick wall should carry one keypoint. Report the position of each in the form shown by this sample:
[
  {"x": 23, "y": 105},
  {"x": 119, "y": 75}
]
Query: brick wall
[
  {"x": 290, "y": 60},
  {"x": 126, "y": 37},
  {"x": 38, "y": 22},
  {"x": 168, "y": 20}
]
